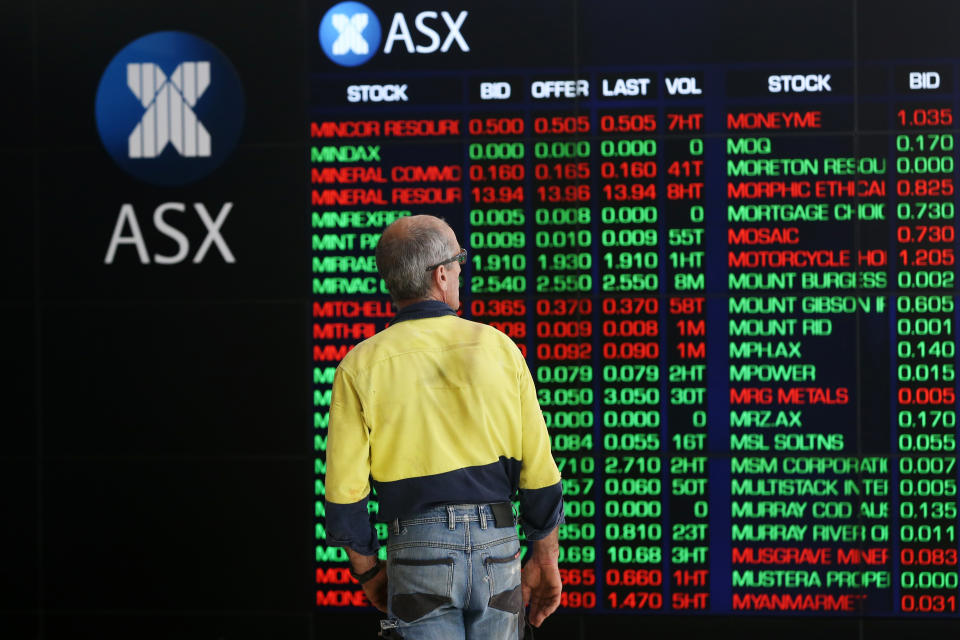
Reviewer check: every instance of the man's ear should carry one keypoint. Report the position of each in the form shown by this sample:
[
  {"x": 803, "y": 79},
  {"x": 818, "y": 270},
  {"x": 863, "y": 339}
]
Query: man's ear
[{"x": 440, "y": 276}]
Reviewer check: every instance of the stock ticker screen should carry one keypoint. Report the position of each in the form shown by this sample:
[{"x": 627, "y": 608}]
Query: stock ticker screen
[{"x": 726, "y": 245}]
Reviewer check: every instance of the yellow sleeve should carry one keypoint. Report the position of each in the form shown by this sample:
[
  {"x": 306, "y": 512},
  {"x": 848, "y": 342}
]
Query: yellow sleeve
[
  {"x": 539, "y": 469},
  {"x": 348, "y": 443}
]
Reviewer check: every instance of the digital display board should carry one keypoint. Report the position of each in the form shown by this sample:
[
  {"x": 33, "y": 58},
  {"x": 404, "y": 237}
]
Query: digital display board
[{"x": 731, "y": 270}]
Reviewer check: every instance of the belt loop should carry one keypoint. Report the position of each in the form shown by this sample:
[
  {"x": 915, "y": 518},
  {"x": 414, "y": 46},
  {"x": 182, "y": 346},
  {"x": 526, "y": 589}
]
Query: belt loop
[
  {"x": 483, "y": 516},
  {"x": 451, "y": 518},
  {"x": 396, "y": 526}
]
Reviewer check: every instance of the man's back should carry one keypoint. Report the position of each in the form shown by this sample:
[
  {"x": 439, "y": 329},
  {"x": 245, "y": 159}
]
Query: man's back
[{"x": 449, "y": 410}]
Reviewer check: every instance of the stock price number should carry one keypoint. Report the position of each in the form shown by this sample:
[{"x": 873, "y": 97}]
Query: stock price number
[
  {"x": 564, "y": 283},
  {"x": 925, "y": 117},
  {"x": 498, "y": 284},
  {"x": 503, "y": 194}
]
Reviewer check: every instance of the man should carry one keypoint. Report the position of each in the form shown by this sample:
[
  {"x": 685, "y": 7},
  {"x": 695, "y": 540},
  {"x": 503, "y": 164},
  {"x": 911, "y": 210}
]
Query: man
[{"x": 442, "y": 413}]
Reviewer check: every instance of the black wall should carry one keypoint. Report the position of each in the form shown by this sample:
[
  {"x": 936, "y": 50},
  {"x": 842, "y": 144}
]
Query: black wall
[{"x": 155, "y": 456}]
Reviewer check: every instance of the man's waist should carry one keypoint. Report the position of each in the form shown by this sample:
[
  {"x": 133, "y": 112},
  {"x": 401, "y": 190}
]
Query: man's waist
[
  {"x": 497, "y": 514},
  {"x": 484, "y": 484}
]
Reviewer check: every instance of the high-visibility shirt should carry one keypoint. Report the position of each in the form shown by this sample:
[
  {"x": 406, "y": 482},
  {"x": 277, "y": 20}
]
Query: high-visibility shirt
[{"x": 435, "y": 410}]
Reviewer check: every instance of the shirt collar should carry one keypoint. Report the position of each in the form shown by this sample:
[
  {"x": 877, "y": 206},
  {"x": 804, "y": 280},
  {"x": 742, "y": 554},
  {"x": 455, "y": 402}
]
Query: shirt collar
[{"x": 424, "y": 309}]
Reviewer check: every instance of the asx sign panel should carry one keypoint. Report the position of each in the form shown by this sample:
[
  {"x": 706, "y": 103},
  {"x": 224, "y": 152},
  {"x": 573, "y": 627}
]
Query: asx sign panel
[
  {"x": 350, "y": 33},
  {"x": 169, "y": 108}
]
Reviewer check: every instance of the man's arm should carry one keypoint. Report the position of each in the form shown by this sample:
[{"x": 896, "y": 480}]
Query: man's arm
[
  {"x": 376, "y": 587},
  {"x": 540, "y": 578},
  {"x": 347, "y": 485},
  {"x": 541, "y": 506}
]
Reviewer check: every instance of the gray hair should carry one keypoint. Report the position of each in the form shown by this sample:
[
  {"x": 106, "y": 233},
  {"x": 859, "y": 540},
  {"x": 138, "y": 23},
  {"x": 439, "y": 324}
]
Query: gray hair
[{"x": 404, "y": 255}]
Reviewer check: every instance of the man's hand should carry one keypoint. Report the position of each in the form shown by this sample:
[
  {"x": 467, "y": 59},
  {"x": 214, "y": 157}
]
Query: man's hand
[
  {"x": 540, "y": 579},
  {"x": 376, "y": 587}
]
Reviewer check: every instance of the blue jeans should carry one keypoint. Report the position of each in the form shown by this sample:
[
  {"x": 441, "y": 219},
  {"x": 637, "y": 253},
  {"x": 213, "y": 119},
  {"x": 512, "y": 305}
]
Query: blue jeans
[{"x": 452, "y": 574}]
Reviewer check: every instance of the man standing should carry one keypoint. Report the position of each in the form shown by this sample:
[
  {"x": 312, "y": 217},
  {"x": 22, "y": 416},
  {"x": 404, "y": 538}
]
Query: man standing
[{"x": 442, "y": 414}]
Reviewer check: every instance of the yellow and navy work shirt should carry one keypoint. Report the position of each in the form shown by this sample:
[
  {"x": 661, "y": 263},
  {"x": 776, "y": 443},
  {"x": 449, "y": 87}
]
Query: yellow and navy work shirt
[{"x": 436, "y": 410}]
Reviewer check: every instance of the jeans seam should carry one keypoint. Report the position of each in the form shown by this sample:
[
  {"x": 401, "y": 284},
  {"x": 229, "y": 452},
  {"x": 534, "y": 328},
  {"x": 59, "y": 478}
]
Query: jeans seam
[
  {"x": 494, "y": 543},
  {"x": 469, "y": 555},
  {"x": 422, "y": 521},
  {"x": 435, "y": 545},
  {"x": 467, "y": 546}
]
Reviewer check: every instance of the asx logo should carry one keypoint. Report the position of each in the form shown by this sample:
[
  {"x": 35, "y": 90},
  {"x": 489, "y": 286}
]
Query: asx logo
[
  {"x": 169, "y": 108},
  {"x": 350, "y": 33}
]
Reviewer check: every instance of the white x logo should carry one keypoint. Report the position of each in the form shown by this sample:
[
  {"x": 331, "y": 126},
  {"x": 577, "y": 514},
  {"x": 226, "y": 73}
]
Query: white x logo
[
  {"x": 169, "y": 116},
  {"x": 350, "y": 30}
]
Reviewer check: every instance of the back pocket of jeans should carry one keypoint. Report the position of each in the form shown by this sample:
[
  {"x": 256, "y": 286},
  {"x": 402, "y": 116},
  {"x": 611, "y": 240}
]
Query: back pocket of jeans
[
  {"x": 419, "y": 586},
  {"x": 503, "y": 572}
]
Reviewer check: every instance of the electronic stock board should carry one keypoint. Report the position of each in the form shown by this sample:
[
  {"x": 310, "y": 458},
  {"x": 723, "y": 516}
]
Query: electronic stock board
[{"x": 725, "y": 241}]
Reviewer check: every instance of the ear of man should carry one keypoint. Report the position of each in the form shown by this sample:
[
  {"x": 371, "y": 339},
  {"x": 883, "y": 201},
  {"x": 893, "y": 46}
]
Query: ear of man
[{"x": 440, "y": 281}]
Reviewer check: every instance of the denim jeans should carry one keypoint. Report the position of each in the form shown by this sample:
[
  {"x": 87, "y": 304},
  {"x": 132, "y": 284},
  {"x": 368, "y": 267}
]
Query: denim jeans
[{"x": 453, "y": 574}]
